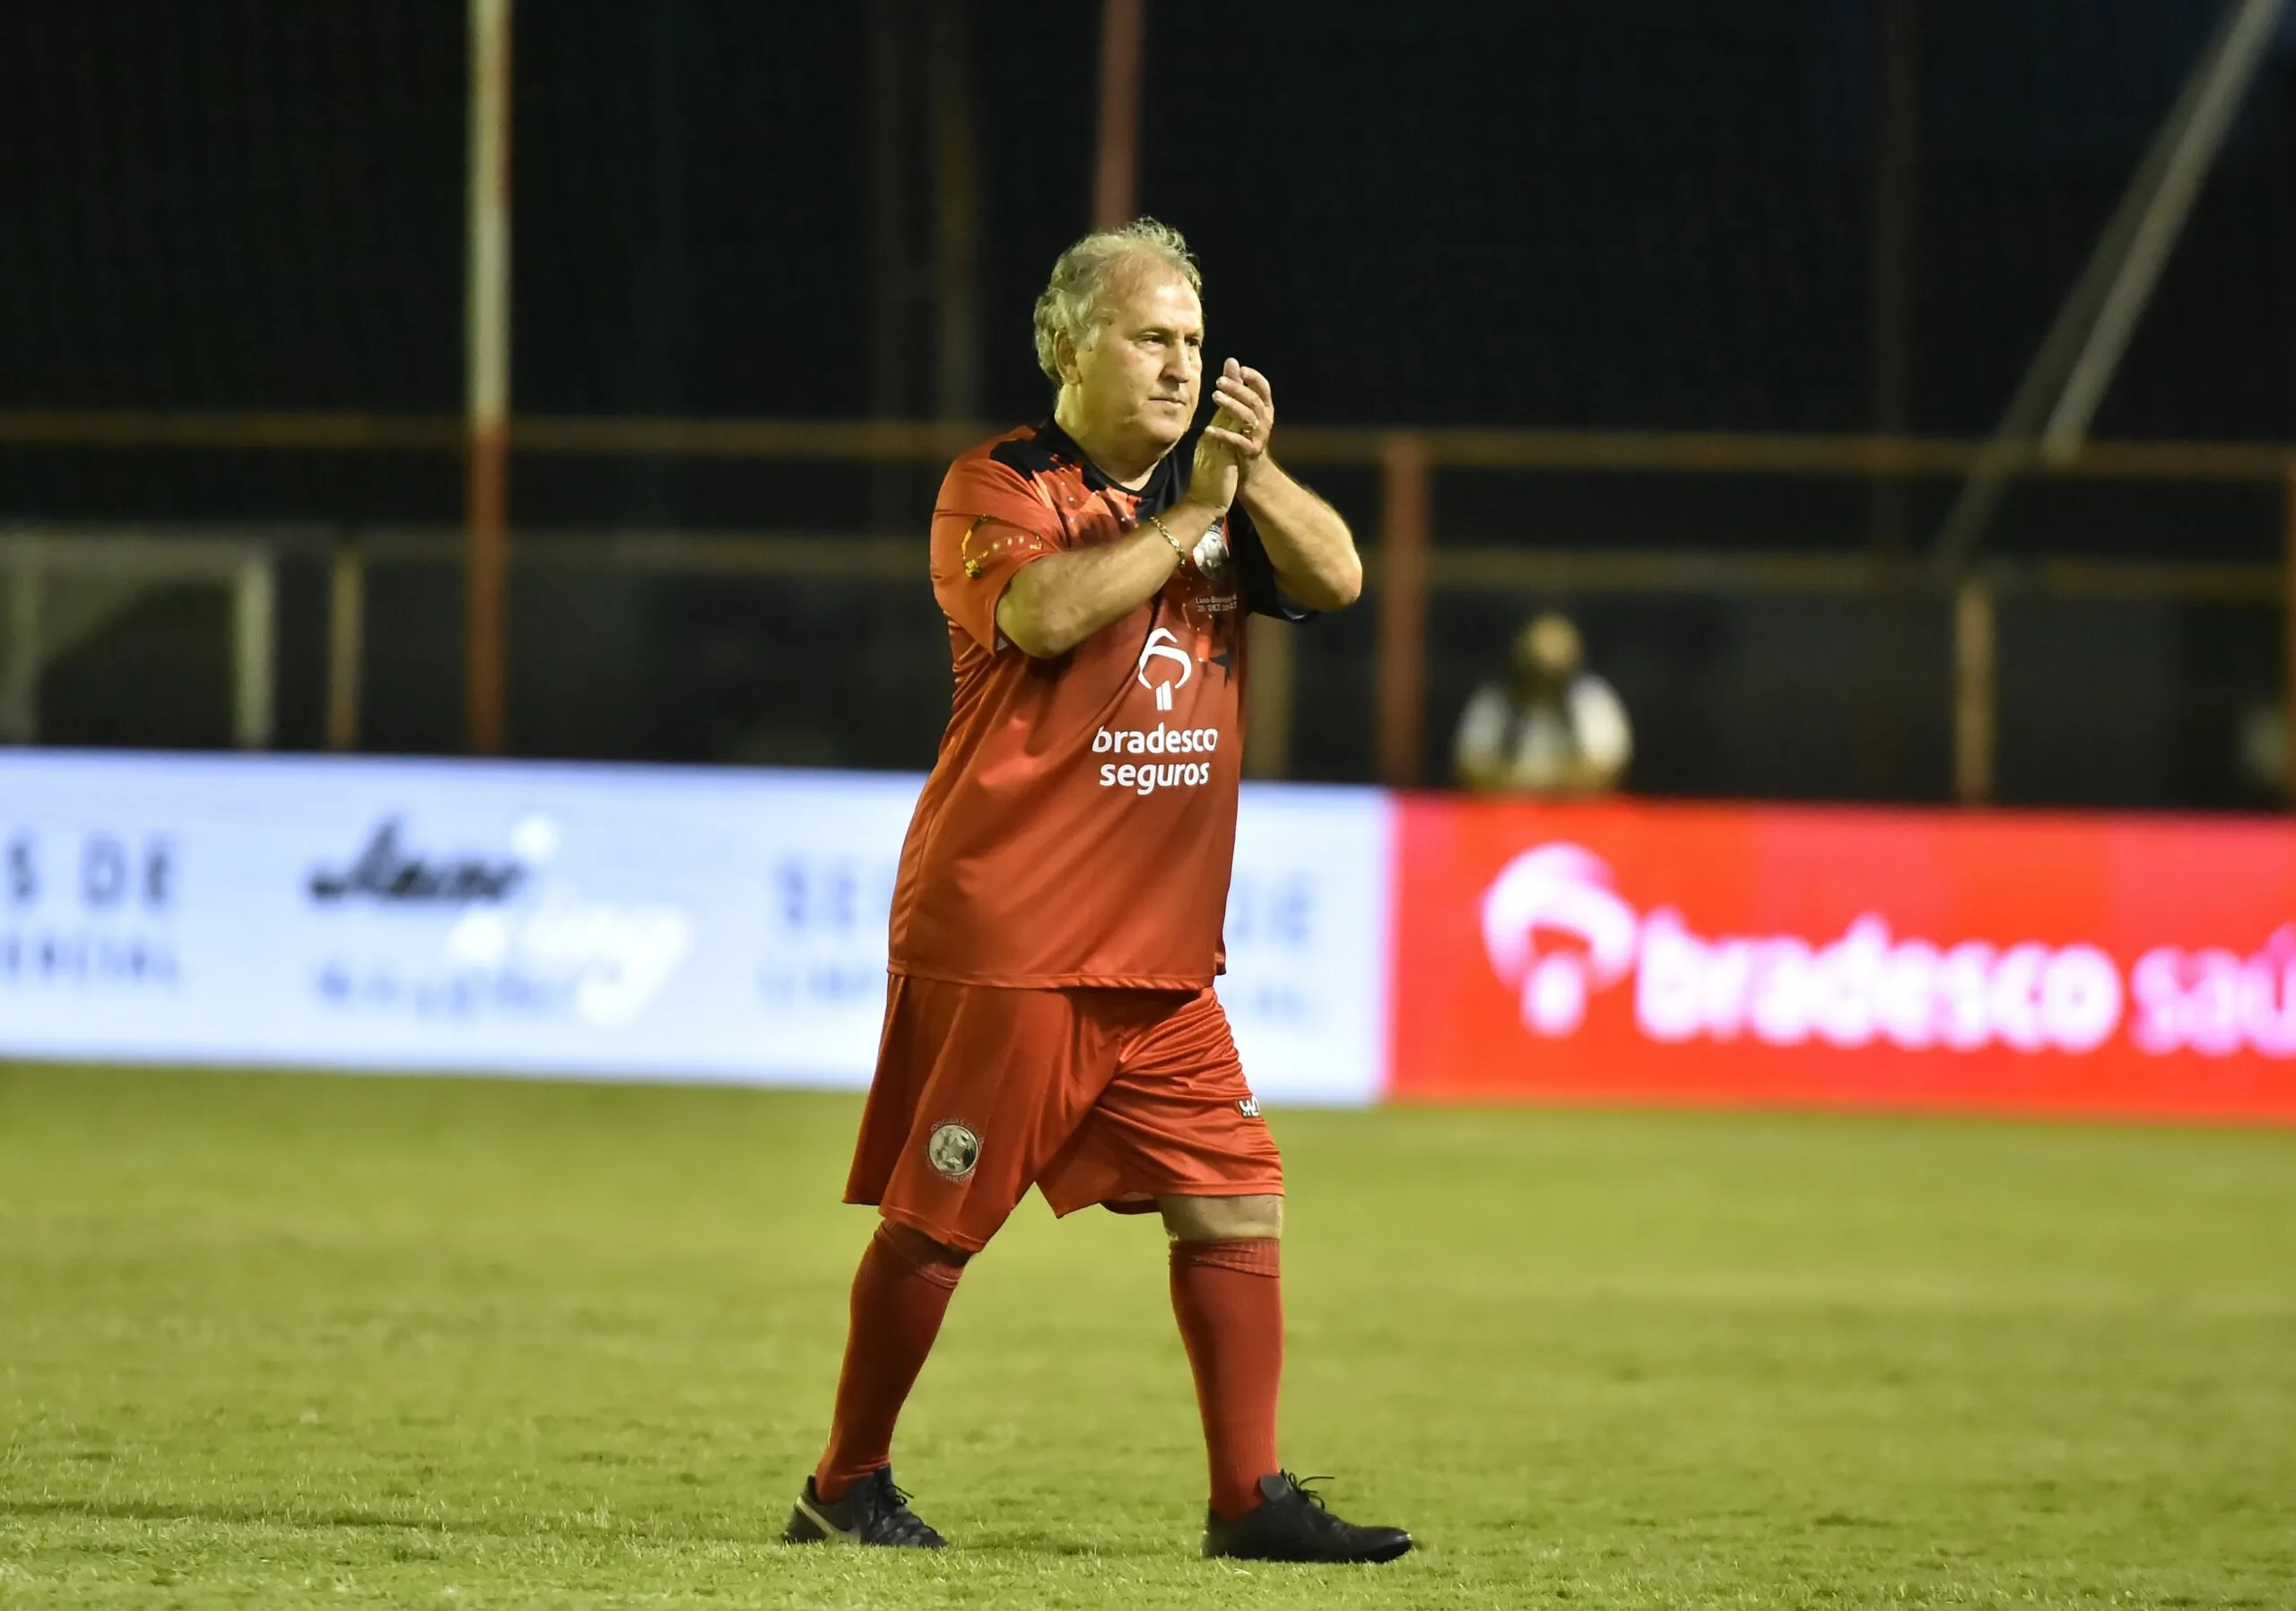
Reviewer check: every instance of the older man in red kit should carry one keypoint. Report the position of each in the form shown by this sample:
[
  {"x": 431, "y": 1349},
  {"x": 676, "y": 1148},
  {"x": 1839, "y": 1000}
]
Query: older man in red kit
[{"x": 1056, "y": 925}]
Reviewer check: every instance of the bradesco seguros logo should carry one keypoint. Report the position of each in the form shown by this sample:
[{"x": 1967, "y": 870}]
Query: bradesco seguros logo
[
  {"x": 1163, "y": 648},
  {"x": 1558, "y": 932}
]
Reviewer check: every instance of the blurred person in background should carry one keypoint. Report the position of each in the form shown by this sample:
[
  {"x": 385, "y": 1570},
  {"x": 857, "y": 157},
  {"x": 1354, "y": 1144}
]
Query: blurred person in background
[
  {"x": 1049, "y": 1018},
  {"x": 1551, "y": 728},
  {"x": 2264, "y": 755}
]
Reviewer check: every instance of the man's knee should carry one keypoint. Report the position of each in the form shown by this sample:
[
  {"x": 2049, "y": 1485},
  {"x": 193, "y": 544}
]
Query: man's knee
[
  {"x": 1222, "y": 1219},
  {"x": 935, "y": 1260}
]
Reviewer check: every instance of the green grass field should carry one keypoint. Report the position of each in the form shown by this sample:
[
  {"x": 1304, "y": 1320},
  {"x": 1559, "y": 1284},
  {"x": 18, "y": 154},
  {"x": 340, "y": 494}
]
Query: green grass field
[{"x": 268, "y": 1340}]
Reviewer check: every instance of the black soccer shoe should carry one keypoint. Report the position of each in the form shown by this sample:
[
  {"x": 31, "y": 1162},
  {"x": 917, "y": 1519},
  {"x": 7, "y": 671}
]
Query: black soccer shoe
[
  {"x": 1291, "y": 1524},
  {"x": 873, "y": 1511}
]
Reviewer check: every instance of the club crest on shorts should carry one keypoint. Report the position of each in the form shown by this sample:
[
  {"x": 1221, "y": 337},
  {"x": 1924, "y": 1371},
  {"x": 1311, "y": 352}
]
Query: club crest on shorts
[{"x": 953, "y": 1150}]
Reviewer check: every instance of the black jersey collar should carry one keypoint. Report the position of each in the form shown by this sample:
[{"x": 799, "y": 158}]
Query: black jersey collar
[{"x": 1160, "y": 489}]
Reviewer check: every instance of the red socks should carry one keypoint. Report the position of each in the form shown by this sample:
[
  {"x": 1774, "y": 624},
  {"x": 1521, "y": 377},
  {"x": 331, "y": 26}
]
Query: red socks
[
  {"x": 1226, "y": 1295},
  {"x": 1230, "y": 1304},
  {"x": 899, "y": 1294}
]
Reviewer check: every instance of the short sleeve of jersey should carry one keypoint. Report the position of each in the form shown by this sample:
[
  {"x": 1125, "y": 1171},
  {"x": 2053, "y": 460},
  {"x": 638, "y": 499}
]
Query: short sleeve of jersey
[
  {"x": 1255, "y": 572},
  {"x": 988, "y": 522}
]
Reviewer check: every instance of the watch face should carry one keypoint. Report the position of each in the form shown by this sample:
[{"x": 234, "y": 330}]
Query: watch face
[{"x": 1211, "y": 555}]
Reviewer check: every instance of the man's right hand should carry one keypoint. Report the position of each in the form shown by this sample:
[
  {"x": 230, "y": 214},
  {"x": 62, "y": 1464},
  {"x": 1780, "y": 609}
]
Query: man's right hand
[{"x": 1057, "y": 602}]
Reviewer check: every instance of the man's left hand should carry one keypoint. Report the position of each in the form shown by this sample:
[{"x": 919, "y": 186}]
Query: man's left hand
[{"x": 1245, "y": 417}]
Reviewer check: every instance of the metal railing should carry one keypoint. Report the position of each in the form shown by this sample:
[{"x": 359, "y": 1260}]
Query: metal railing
[
  {"x": 112, "y": 568},
  {"x": 1405, "y": 563}
]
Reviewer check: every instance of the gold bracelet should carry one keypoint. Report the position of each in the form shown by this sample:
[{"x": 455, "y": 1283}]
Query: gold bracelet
[{"x": 1167, "y": 531}]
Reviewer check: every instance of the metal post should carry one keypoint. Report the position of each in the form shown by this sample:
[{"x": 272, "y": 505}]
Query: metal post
[
  {"x": 2203, "y": 116},
  {"x": 488, "y": 311},
  {"x": 2061, "y": 387},
  {"x": 2288, "y": 770},
  {"x": 1886, "y": 645},
  {"x": 1403, "y": 611},
  {"x": 956, "y": 198},
  {"x": 1973, "y": 693},
  {"x": 253, "y": 659},
  {"x": 892, "y": 276},
  {"x": 20, "y": 688},
  {"x": 1267, "y": 719},
  {"x": 1115, "y": 175},
  {"x": 897, "y": 279},
  {"x": 1897, "y": 145},
  {"x": 347, "y": 626}
]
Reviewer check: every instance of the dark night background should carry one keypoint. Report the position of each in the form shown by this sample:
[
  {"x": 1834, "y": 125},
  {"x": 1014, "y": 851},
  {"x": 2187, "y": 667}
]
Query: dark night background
[{"x": 1657, "y": 216}]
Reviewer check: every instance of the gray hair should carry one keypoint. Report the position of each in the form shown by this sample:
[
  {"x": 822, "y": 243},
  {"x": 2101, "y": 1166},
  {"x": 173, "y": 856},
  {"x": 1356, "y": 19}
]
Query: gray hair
[{"x": 1071, "y": 303}]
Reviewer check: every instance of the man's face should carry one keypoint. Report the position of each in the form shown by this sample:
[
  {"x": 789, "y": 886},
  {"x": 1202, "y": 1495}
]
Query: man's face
[{"x": 1142, "y": 376}]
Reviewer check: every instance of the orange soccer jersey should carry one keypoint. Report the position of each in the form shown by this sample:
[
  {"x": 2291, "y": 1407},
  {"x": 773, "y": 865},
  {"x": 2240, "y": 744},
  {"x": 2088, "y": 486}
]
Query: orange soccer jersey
[
  {"x": 1079, "y": 824},
  {"x": 1056, "y": 922}
]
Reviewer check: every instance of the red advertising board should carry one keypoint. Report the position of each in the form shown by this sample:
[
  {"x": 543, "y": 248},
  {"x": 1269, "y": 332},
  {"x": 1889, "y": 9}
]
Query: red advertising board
[{"x": 1635, "y": 951}]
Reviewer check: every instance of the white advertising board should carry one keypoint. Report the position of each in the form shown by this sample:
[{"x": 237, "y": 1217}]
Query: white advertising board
[
  {"x": 1307, "y": 932},
  {"x": 627, "y": 922}
]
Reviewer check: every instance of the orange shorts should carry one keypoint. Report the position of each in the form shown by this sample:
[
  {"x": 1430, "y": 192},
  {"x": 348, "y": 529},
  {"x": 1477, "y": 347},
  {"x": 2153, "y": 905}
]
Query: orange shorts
[{"x": 1116, "y": 1097}]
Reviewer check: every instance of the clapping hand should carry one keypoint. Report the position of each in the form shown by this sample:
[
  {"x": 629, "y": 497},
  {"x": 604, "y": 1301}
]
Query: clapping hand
[{"x": 1245, "y": 419}]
